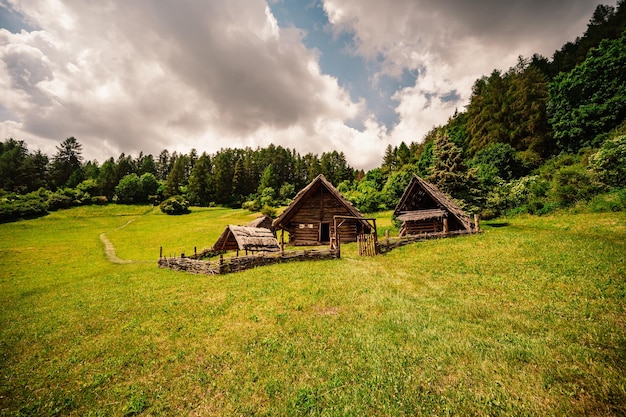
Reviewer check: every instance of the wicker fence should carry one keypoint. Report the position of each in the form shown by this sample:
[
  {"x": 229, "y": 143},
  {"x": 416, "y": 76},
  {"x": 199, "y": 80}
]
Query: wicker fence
[{"x": 241, "y": 263}]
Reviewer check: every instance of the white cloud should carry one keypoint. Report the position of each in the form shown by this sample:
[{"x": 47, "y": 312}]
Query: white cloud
[
  {"x": 451, "y": 43},
  {"x": 130, "y": 76},
  {"x": 145, "y": 76}
]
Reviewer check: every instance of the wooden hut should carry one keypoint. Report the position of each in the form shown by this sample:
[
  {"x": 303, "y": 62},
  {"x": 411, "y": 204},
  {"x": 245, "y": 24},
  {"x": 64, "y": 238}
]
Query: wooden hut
[
  {"x": 262, "y": 221},
  {"x": 425, "y": 209},
  {"x": 309, "y": 219},
  {"x": 248, "y": 239}
]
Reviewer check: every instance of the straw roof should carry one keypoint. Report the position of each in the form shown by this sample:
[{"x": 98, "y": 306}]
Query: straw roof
[
  {"x": 411, "y": 197},
  {"x": 319, "y": 181},
  {"x": 246, "y": 238},
  {"x": 261, "y": 221}
]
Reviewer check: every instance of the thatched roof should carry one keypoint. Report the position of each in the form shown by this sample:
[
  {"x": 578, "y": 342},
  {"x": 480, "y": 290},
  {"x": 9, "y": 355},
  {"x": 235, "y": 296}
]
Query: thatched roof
[
  {"x": 246, "y": 238},
  {"x": 261, "y": 221},
  {"x": 410, "y": 202},
  {"x": 319, "y": 181}
]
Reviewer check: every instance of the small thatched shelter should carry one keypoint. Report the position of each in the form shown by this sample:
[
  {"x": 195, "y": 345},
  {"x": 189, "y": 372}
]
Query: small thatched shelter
[
  {"x": 249, "y": 239},
  {"x": 309, "y": 217},
  {"x": 423, "y": 208},
  {"x": 262, "y": 221}
]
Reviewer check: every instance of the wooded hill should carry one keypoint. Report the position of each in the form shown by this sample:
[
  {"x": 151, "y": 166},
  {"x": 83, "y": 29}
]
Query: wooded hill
[{"x": 547, "y": 133}]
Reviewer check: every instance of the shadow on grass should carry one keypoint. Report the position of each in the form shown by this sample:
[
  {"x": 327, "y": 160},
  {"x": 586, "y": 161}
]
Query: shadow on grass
[{"x": 497, "y": 224}]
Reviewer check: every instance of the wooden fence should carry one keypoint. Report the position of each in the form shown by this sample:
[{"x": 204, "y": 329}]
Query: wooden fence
[
  {"x": 389, "y": 243},
  {"x": 241, "y": 263}
]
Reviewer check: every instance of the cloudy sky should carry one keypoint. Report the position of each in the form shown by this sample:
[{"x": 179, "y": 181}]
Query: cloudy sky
[{"x": 314, "y": 75}]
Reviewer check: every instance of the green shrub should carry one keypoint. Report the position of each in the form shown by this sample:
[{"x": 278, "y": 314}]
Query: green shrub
[
  {"x": 14, "y": 206},
  {"x": 59, "y": 200},
  {"x": 610, "y": 162},
  {"x": 571, "y": 184},
  {"x": 269, "y": 211},
  {"x": 175, "y": 205}
]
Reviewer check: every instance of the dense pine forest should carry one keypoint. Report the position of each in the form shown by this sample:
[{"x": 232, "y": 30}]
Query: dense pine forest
[{"x": 548, "y": 133}]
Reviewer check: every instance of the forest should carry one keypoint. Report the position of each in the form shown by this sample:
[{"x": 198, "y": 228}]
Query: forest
[{"x": 548, "y": 133}]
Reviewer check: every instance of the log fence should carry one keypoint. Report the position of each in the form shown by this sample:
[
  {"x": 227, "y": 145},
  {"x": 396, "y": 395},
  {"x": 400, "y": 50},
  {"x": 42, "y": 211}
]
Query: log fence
[{"x": 241, "y": 263}]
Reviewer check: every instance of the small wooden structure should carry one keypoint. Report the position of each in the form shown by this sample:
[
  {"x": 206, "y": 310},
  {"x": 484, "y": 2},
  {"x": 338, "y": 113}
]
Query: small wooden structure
[
  {"x": 309, "y": 219},
  {"x": 248, "y": 239},
  {"x": 262, "y": 221},
  {"x": 425, "y": 209}
]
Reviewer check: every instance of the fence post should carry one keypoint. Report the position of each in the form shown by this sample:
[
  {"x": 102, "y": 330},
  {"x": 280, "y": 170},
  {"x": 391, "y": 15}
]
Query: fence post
[
  {"x": 160, "y": 252},
  {"x": 445, "y": 225},
  {"x": 476, "y": 223}
]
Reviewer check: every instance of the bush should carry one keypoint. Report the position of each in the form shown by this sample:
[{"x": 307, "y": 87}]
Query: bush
[
  {"x": 610, "y": 162},
  {"x": 269, "y": 211},
  {"x": 59, "y": 200},
  {"x": 572, "y": 184},
  {"x": 14, "y": 206},
  {"x": 175, "y": 205}
]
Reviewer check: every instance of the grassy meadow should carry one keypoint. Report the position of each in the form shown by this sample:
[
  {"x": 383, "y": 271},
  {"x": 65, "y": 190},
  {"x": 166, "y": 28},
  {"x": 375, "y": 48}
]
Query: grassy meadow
[{"x": 525, "y": 319}]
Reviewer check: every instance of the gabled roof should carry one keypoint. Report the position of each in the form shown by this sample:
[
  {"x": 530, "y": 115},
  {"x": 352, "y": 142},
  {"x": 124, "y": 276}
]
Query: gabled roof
[
  {"x": 440, "y": 198},
  {"x": 319, "y": 181},
  {"x": 246, "y": 238},
  {"x": 261, "y": 221}
]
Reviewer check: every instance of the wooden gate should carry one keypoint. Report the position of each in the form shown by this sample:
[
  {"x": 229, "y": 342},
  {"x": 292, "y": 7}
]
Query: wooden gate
[
  {"x": 367, "y": 244},
  {"x": 367, "y": 240}
]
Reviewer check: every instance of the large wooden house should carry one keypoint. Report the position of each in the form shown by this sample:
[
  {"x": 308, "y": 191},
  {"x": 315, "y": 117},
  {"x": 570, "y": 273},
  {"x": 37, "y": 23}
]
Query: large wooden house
[
  {"x": 309, "y": 219},
  {"x": 425, "y": 209}
]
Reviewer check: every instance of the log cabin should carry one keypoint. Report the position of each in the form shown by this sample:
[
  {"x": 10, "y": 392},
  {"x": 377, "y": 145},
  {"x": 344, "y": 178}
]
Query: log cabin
[
  {"x": 309, "y": 219},
  {"x": 424, "y": 209}
]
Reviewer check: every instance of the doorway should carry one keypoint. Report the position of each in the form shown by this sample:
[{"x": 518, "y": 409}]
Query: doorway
[{"x": 324, "y": 232}]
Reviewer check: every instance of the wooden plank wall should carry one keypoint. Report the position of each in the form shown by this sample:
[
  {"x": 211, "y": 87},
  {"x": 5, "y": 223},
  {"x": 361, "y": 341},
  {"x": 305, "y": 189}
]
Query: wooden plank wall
[
  {"x": 425, "y": 226},
  {"x": 319, "y": 207}
]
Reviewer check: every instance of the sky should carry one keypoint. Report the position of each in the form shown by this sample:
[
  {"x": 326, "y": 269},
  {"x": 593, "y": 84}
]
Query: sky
[{"x": 311, "y": 75}]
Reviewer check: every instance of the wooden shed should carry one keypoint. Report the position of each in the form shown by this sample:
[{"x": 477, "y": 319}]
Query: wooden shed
[
  {"x": 425, "y": 209},
  {"x": 248, "y": 239},
  {"x": 309, "y": 217},
  {"x": 262, "y": 221}
]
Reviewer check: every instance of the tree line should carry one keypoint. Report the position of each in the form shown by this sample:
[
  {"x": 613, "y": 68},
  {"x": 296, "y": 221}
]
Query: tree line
[
  {"x": 547, "y": 133},
  {"x": 265, "y": 176}
]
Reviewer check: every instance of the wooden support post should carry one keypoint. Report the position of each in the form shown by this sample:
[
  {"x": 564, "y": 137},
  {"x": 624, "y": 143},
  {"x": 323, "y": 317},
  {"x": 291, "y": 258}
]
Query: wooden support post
[
  {"x": 387, "y": 236},
  {"x": 282, "y": 242},
  {"x": 445, "y": 225},
  {"x": 195, "y": 250},
  {"x": 160, "y": 252},
  {"x": 375, "y": 238},
  {"x": 476, "y": 223}
]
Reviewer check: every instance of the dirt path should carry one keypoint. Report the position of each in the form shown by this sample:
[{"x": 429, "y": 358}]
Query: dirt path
[{"x": 109, "y": 249}]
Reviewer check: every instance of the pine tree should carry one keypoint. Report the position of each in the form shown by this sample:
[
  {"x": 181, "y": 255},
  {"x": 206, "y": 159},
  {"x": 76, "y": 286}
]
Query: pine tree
[
  {"x": 67, "y": 164},
  {"x": 239, "y": 179},
  {"x": 176, "y": 179},
  {"x": 201, "y": 190}
]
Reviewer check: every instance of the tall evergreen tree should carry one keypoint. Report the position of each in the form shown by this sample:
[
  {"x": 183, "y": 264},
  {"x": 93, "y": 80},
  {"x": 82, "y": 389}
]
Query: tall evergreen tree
[
  {"x": 223, "y": 166},
  {"x": 201, "y": 189},
  {"x": 177, "y": 178},
  {"x": 107, "y": 178},
  {"x": 67, "y": 164}
]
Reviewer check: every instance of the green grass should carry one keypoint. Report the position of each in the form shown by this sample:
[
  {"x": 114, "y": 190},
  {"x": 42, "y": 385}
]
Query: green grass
[{"x": 525, "y": 319}]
